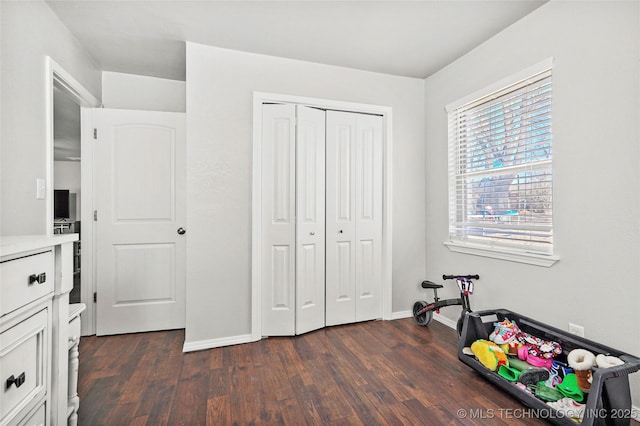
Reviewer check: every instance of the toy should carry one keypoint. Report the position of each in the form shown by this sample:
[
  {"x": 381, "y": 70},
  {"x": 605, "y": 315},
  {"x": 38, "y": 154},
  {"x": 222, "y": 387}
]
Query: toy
[
  {"x": 569, "y": 388},
  {"x": 489, "y": 354},
  {"x": 519, "y": 371},
  {"x": 512, "y": 340}
]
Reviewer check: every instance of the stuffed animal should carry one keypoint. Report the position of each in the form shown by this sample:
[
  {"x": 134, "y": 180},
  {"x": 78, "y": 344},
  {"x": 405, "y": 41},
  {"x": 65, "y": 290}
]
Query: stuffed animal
[{"x": 489, "y": 354}]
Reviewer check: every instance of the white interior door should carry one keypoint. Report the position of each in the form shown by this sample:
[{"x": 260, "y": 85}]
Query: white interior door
[
  {"x": 310, "y": 206},
  {"x": 140, "y": 204},
  {"x": 278, "y": 220},
  {"x": 354, "y": 217}
]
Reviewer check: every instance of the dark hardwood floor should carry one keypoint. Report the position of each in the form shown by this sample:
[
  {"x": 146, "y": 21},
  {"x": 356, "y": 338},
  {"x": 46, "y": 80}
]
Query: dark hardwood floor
[{"x": 382, "y": 372}]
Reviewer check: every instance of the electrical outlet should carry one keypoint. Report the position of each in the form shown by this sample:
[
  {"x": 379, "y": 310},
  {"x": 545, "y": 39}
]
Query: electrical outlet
[{"x": 576, "y": 329}]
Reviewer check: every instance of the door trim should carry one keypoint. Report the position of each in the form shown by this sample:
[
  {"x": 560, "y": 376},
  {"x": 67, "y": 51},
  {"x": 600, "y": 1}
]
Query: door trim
[
  {"x": 55, "y": 75},
  {"x": 260, "y": 98}
]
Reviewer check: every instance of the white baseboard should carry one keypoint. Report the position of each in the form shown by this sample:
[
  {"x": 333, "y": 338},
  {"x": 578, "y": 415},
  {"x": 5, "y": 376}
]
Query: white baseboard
[
  {"x": 216, "y": 343},
  {"x": 401, "y": 314},
  {"x": 446, "y": 321},
  {"x": 438, "y": 317}
]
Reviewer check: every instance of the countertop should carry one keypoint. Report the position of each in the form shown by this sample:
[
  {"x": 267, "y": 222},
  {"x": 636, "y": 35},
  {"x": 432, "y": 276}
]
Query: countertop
[{"x": 14, "y": 244}]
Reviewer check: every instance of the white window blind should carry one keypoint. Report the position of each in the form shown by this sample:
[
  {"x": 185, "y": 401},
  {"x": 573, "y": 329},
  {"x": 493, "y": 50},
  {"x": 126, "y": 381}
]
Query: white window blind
[{"x": 500, "y": 174}]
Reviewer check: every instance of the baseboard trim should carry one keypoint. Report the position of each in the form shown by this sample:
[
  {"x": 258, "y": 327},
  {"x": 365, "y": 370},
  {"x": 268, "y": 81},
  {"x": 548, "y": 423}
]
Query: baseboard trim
[
  {"x": 438, "y": 317},
  {"x": 401, "y": 314},
  {"x": 446, "y": 321},
  {"x": 216, "y": 343}
]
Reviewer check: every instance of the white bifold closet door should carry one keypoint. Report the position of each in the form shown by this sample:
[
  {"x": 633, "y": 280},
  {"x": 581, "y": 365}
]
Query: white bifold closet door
[
  {"x": 354, "y": 217},
  {"x": 293, "y": 219},
  {"x": 319, "y": 270}
]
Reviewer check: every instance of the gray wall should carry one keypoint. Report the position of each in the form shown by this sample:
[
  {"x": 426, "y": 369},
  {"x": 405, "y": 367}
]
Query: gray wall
[
  {"x": 29, "y": 32},
  {"x": 129, "y": 91},
  {"x": 596, "y": 49},
  {"x": 220, "y": 85}
]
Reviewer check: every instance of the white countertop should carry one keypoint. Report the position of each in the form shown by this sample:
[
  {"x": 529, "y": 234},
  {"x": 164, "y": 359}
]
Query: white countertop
[
  {"x": 14, "y": 244},
  {"x": 76, "y": 309}
]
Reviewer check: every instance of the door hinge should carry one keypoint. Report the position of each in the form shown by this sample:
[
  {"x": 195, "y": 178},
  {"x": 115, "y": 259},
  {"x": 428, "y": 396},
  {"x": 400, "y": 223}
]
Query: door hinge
[
  {"x": 95, "y": 297},
  {"x": 95, "y": 215},
  {"x": 95, "y": 133}
]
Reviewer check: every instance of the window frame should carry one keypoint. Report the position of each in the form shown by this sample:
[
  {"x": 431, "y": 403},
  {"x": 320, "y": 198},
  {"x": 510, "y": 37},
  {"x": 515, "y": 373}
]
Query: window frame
[{"x": 479, "y": 248}]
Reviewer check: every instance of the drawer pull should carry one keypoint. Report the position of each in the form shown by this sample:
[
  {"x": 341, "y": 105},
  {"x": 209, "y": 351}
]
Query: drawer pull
[
  {"x": 18, "y": 381},
  {"x": 38, "y": 278}
]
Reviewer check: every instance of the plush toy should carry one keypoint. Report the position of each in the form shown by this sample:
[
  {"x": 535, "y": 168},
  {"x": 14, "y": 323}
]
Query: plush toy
[{"x": 489, "y": 354}]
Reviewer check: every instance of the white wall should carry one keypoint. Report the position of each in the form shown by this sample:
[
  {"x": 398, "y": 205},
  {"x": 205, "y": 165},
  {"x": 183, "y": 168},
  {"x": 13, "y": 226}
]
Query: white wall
[
  {"x": 29, "y": 32},
  {"x": 596, "y": 49},
  {"x": 220, "y": 85},
  {"x": 129, "y": 91}
]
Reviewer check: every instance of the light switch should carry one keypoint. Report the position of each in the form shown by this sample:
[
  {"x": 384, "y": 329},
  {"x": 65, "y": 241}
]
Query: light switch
[{"x": 40, "y": 188}]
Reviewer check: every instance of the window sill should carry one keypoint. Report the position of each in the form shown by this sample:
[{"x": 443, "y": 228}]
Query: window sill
[{"x": 510, "y": 255}]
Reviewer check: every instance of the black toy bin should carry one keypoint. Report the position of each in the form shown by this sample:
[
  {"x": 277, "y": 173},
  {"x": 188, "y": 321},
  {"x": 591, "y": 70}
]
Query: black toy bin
[{"x": 609, "y": 399}]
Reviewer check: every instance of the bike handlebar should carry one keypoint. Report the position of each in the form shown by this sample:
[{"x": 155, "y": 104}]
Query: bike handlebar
[{"x": 469, "y": 277}]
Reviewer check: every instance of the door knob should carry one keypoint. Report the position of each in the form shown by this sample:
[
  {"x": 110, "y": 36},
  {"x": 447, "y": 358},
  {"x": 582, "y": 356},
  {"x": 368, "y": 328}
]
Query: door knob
[
  {"x": 340, "y": 231},
  {"x": 181, "y": 231},
  {"x": 312, "y": 233}
]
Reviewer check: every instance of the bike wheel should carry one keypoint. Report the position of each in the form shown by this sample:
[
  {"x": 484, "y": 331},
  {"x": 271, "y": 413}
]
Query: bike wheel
[{"x": 425, "y": 317}]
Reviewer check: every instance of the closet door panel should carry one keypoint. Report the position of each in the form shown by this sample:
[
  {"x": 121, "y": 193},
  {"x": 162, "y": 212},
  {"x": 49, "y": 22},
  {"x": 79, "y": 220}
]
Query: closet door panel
[
  {"x": 368, "y": 216},
  {"x": 310, "y": 225},
  {"x": 278, "y": 220},
  {"x": 341, "y": 250}
]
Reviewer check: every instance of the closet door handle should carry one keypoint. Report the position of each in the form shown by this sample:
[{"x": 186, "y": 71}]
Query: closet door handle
[
  {"x": 312, "y": 233},
  {"x": 340, "y": 231}
]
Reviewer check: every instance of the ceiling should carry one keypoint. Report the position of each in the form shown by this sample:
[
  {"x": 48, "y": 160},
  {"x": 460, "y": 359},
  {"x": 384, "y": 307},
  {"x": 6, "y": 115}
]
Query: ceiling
[{"x": 407, "y": 38}]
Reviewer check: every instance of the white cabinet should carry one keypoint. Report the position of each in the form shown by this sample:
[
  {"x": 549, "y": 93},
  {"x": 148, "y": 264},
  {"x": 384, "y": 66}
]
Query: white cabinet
[
  {"x": 26, "y": 291},
  {"x": 36, "y": 274},
  {"x": 73, "y": 401}
]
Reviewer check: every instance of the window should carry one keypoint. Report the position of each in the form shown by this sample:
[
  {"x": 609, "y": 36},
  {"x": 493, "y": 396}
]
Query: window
[{"x": 500, "y": 170}]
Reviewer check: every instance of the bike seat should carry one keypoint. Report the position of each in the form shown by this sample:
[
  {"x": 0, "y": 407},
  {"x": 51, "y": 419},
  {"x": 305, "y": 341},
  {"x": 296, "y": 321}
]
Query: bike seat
[{"x": 429, "y": 284}]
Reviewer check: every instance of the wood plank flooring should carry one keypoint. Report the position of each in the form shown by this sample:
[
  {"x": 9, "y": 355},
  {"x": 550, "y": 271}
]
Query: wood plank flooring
[{"x": 381, "y": 372}]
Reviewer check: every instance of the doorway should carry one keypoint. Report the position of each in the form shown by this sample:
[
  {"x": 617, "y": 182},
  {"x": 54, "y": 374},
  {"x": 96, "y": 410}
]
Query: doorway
[
  {"x": 67, "y": 101},
  {"x": 66, "y": 175},
  {"x": 258, "y": 227}
]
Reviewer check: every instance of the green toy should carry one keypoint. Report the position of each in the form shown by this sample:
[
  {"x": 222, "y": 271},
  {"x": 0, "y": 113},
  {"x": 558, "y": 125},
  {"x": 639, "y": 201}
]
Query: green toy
[{"x": 569, "y": 387}]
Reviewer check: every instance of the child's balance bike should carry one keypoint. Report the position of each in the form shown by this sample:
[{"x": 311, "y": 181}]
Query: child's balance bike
[{"x": 423, "y": 311}]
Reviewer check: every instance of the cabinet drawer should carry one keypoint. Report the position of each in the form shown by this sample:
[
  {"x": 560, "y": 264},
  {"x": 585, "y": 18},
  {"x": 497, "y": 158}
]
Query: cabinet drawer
[
  {"x": 37, "y": 417},
  {"x": 22, "y": 365},
  {"x": 25, "y": 279}
]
